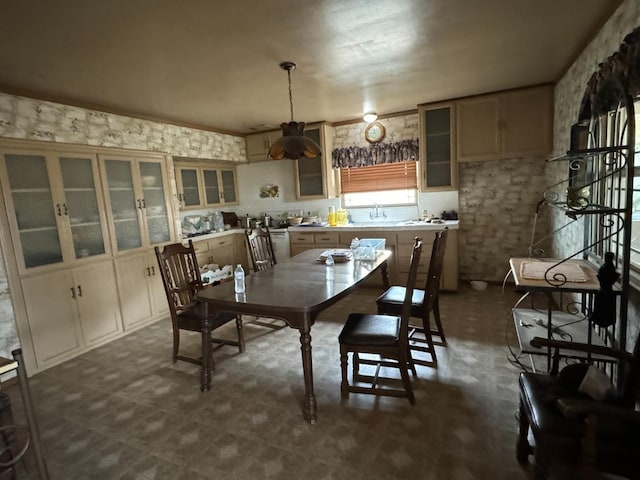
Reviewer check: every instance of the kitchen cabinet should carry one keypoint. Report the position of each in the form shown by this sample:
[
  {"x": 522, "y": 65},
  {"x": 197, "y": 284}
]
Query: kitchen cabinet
[
  {"x": 302, "y": 241},
  {"x": 54, "y": 208},
  {"x": 511, "y": 124},
  {"x": 227, "y": 249},
  {"x": 202, "y": 186},
  {"x": 438, "y": 161},
  {"x": 139, "y": 211},
  {"x": 70, "y": 310},
  {"x": 142, "y": 294},
  {"x": 314, "y": 177},
  {"x": 258, "y": 145}
]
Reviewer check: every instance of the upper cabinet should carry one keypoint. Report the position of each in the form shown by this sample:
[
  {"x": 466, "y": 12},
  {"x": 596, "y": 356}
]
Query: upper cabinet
[
  {"x": 209, "y": 186},
  {"x": 54, "y": 208},
  {"x": 138, "y": 204},
  {"x": 314, "y": 176},
  {"x": 511, "y": 124},
  {"x": 438, "y": 162},
  {"x": 258, "y": 145}
]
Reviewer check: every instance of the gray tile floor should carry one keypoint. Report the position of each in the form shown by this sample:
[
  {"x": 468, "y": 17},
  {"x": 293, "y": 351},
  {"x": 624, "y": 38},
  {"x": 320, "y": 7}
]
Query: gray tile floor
[{"x": 124, "y": 411}]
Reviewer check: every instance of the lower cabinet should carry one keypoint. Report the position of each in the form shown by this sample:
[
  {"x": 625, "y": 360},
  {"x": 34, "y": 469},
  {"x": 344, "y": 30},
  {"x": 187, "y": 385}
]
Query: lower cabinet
[
  {"x": 449, "y": 279},
  {"x": 70, "y": 310},
  {"x": 141, "y": 291}
]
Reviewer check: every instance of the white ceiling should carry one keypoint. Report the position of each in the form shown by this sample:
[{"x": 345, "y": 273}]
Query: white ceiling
[{"x": 214, "y": 63}]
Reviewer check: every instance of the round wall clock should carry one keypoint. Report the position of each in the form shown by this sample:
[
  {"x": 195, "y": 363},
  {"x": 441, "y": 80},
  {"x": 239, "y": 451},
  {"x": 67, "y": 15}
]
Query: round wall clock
[{"x": 374, "y": 132}]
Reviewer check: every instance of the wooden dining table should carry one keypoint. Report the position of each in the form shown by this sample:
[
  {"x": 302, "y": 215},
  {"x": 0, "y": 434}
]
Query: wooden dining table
[{"x": 296, "y": 291}]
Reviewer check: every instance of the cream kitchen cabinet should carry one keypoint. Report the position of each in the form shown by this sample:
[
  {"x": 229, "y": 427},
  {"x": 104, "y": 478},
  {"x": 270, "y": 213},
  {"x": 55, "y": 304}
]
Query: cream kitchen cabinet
[
  {"x": 258, "y": 144},
  {"x": 438, "y": 161},
  {"x": 227, "y": 249},
  {"x": 301, "y": 241},
  {"x": 449, "y": 278},
  {"x": 71, "y": 310},
  {"x": 55, "y": 211},
  {"x": 202, "y": 186},
  {"x": 511, "y": 124},
  {"x": 142, "y": 294},
  {"x": 136, "y": 192},
  {"x": 314, "y": 177}
]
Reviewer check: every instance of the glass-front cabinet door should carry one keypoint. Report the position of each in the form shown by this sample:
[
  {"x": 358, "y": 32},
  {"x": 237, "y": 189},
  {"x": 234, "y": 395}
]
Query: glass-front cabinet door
[
  {"x": 188, "y": 187},
  {"x": 437, "y": 147},
  {"x": 53, "y": 206},
  {"x": 137, "y": 201},
  {"x": 228, "y": 178},
  {"x": 212, "y": 192}
]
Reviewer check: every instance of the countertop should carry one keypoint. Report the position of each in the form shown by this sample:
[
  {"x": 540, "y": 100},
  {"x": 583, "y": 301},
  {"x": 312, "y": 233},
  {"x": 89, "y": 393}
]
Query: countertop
[
  {"x": 380, "y": 226},
  {"x": 353, "y": 227}
]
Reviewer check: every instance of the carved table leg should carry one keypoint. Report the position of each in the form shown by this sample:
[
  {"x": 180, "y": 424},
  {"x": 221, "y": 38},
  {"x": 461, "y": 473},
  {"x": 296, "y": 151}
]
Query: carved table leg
[
  {"x": 205, "y": 368},
  {"x": 310, "y": 406}
]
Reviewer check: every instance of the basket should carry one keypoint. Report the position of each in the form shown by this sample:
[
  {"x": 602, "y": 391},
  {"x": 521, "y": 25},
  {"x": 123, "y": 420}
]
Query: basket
[{"x": 369, "y": 249}]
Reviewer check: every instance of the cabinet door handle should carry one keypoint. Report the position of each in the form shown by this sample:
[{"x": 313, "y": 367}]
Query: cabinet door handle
[
  {"x": 153, "y": 270},
  {"x": 58, "y": 210},
  {"x": 144, "y": 205},
  {"x": 73, "y": 292},
  {"x": 148, "y": 271},
  {"x": 79, "y": 291},
  {"x": 66, "y": 211}
]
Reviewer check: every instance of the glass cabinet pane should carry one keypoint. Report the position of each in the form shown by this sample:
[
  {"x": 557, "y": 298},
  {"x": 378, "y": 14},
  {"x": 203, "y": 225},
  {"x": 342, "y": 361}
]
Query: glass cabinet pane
[
  {"x": 228, "y": 186},
  {"x": 81, "y": 206},
  {"x": 153, "y": 200},
  {"x": 310, "y": 176},
  {"x": 34, "y": 209},
  {"x": 123, "y": 204},
  {"x": 211, "y": 189},
  {"x": 190, "y": 191},
  {"x": 438, "y": 147}
]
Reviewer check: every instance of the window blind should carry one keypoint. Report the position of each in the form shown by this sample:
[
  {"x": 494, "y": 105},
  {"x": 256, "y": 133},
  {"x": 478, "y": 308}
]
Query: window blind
[{"x": 387, "y": 176}]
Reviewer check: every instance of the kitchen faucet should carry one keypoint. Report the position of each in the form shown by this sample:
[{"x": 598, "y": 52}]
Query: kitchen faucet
[{"x": 376, "y": 213}]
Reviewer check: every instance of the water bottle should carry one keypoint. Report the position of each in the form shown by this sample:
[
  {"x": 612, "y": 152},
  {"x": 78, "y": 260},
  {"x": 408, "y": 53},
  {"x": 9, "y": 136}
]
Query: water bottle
[
  {"x": 330, "y": 273},
  {"x": 239, "y": 279}
]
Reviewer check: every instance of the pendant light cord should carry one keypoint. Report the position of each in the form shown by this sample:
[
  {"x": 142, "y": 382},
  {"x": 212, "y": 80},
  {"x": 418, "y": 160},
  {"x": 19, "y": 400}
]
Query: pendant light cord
[{"x": 290, "y": 95}]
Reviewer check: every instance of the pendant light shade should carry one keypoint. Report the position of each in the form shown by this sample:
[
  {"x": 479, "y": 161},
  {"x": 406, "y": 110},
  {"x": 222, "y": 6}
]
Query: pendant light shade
[{"x": 293, "y": 144}]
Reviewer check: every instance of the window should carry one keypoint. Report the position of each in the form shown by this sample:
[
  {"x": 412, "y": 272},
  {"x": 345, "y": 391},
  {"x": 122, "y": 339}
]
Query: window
[{"x": 384, "y": 184}]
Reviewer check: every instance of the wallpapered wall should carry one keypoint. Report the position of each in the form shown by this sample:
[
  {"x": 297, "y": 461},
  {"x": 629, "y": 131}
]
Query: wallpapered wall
[{"x": 568, "y": 96}]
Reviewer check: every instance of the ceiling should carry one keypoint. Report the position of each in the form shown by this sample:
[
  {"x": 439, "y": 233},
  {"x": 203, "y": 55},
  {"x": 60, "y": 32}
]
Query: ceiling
[{"x": 214, "y": 64}]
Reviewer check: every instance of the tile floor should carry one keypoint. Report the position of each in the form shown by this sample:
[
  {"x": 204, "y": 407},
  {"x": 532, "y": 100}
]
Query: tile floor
[{"x": 124, "y": 411}]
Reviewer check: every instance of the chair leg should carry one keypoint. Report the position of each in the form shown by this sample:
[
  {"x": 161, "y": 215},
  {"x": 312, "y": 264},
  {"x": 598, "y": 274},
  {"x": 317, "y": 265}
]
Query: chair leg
[
  {"x": 523, "y": 449},
  {"x": 410, "y": 362},
  {"x": 344, "y": 360},
  {"x": 404, "y": 373},
  {"x": 426, "y": 325},
  {"x": 436, "y": 316},
  {"x": 240, "y": 330},
  {"x": 176, "y": 344},
  {"x": 355, "y": 359}
]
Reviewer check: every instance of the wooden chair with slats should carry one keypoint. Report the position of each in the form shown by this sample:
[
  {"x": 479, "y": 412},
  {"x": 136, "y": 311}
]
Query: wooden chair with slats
[{"x": 181, "y": 280}]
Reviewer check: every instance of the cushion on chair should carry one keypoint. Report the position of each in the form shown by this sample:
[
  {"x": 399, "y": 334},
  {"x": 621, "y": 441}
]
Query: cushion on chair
[
  {"x": 393, "y": 300},
  {"x": 190, "y": 319},
  {"x": 368, "y": 329}
]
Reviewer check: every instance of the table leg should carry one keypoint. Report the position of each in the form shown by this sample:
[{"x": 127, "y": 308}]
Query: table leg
[
  {"x": 205, "y": 367},
  {"x": 310, "y": 406},
  {"x": 385, "y": 275}
]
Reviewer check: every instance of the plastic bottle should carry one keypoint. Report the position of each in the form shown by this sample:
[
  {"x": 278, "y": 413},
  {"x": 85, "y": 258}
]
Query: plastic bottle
[
  {"x": 239, "y": 279},
  {"x": 330, "y": 272}
]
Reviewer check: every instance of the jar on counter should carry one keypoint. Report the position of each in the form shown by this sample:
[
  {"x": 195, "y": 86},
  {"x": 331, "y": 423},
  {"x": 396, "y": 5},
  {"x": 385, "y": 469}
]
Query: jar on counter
[{"x": 341, "y": 217}]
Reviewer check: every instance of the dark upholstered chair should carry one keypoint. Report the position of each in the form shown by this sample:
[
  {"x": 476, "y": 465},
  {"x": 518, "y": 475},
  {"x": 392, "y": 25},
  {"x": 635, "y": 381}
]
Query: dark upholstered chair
[
  {"x": 260, "y": 248},
  {"x": 383, "y": 335},
  {"x": 423, "y": 303},
  {"x": 571, "y": 427},
  {"x": 181, "y": 279}
]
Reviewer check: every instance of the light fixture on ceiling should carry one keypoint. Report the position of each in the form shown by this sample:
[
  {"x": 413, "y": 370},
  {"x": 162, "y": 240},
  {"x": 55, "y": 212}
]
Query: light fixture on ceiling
[
  {"x": 370, "y": 117},
  {"x": 293, "y": 144}
]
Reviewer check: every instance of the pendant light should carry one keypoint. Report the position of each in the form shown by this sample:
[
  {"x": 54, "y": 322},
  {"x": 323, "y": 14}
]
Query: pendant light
[{"x": 293, "y": 144}]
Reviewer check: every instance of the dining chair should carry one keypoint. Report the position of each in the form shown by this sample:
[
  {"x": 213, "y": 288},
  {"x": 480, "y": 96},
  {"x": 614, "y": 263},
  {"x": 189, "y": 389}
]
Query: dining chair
[
  {"x": 424, "y": 302},
  {"x": 382, "y": 335},
  {"x": 260, "y": 248},
  {"x": 181, "y": 280},
  {"x": 263, "y": 257}
]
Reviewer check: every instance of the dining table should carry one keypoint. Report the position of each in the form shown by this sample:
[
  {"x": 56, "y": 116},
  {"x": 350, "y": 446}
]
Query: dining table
[{"x": 297, "y": 291}]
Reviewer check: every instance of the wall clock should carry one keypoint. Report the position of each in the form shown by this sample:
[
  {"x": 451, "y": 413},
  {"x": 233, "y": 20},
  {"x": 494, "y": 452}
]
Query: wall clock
[{"x": 374, "y": 132}]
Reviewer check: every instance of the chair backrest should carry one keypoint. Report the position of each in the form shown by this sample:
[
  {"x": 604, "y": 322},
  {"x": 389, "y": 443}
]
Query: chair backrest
[
  {"x": 432, "y": 284},
  {"x": 260, "y": 248},
  {"x": 180, "y": 275},
  {"x": 411, "y": 285}
]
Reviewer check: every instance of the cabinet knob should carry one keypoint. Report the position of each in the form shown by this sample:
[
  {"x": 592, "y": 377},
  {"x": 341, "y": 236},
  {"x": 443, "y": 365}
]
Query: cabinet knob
[
  {"x": 79, "y": 290},
  {"x": 73, "y": 292}
]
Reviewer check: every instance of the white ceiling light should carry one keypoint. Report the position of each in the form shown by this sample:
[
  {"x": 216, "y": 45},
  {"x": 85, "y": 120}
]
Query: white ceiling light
[{"x": 370, "y": 117}]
